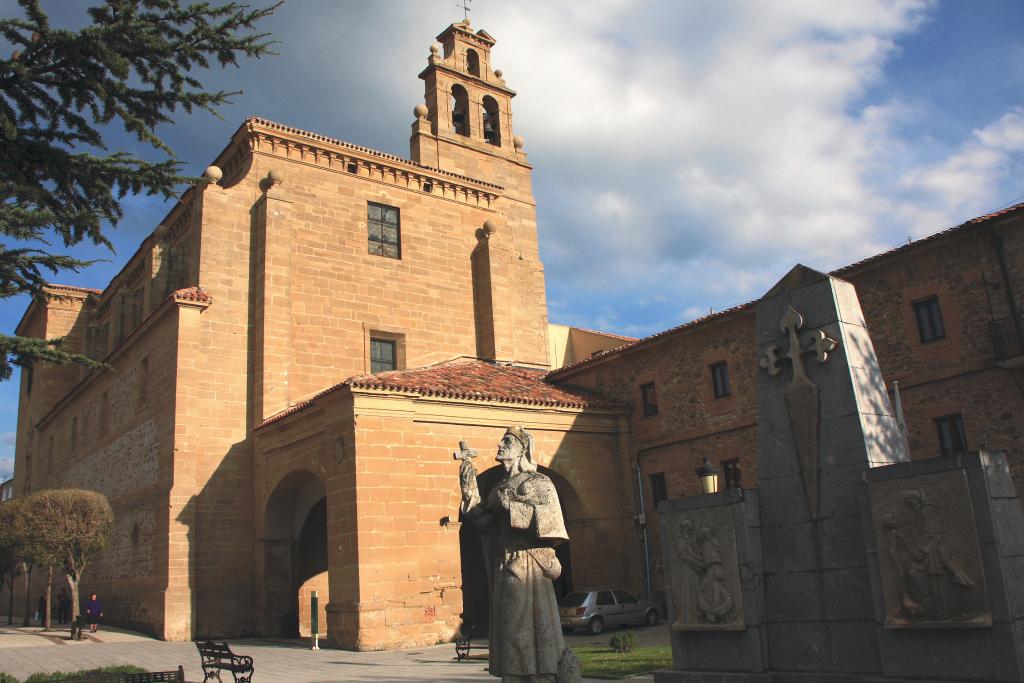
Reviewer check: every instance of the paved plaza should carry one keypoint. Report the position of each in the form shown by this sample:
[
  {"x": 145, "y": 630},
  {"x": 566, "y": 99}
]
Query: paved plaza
[{"x": 24, "y": 651}]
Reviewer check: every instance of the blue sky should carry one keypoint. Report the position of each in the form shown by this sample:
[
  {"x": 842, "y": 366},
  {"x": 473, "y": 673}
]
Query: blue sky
[{"x": 686, "y": 153}]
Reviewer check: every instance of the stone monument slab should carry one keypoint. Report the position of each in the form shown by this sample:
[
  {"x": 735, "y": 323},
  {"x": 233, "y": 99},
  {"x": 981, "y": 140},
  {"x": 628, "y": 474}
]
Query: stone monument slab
[
  {"x": 929, "y": 557},
  {"x": 704, "y": 570}
]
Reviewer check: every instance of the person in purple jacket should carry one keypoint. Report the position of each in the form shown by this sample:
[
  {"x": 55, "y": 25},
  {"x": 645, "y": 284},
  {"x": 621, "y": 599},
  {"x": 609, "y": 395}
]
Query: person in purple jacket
[{"x": 93, "y": 612}]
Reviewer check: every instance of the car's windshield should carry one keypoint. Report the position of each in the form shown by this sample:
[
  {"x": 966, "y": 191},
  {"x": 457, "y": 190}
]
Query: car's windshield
[{"x": 572, "y": 600}]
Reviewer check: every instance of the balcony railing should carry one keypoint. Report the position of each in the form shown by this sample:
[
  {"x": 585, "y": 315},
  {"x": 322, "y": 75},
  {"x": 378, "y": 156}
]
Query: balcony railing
[{"x": 1006, "y": 341}]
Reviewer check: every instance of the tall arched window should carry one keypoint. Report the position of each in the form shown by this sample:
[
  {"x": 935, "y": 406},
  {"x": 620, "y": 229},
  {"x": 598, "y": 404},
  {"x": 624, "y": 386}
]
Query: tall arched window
[
  {"x": 460, "y": 110},
  {"x": 492, "y": 121},
  {"x": 473, "y": 62}
]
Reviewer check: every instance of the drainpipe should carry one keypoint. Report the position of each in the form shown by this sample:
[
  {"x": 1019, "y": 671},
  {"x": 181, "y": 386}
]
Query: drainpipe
[
  {"x": 997, "y": 242},
  {"x": 642, "y": 518}
]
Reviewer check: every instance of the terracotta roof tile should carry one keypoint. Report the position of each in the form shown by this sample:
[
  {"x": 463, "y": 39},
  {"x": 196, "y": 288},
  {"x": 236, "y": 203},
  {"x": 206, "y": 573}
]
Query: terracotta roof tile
[
  {"x": 553, "y": 375},
  {"x": 473, "y": 380},
  {"x": 193, "y": 294}
]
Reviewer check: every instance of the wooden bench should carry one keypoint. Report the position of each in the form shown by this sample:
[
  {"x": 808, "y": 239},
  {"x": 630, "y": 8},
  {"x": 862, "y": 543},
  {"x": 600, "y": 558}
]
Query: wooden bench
[
  {"x": 177, "y": 676},
  {"x": 464, "y": 643},
  {"x": 218, "y": 657}
]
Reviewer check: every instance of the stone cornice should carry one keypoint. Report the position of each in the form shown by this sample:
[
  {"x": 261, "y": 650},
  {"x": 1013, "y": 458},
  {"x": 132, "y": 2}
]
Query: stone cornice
[
  {"x": 274, "y": 139},
  {"x": 53, "y": 291},
  {"x": 462, "y": 75},
  {"x": 481, "y": 37}
]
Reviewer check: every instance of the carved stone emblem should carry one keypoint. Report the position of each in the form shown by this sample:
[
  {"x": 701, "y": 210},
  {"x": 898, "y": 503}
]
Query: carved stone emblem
[
  {"x": 928, "y": 555},
  {"x": 704, "y": 571},
  {"x": 801, "y": 395}
]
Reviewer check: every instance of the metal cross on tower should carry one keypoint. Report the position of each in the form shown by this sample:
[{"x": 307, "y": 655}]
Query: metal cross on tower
[{"x": 465, "y": 8}]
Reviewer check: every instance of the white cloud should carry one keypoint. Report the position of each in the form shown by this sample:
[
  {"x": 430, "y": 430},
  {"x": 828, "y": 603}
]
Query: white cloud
[{"x": 966, "y": 181}]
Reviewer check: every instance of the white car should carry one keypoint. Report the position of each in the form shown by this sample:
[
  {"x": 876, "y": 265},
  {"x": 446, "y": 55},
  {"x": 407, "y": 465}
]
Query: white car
[{"x": 596, "y": 609}]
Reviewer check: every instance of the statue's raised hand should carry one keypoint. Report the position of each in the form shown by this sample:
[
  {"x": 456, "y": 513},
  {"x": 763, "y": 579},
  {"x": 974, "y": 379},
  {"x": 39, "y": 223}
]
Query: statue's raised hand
[{"x": 467, "y": 474}]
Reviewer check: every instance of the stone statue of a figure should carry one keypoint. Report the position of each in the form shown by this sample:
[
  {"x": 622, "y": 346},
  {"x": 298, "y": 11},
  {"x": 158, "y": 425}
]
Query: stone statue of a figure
[{"x": 519, "y": 526}]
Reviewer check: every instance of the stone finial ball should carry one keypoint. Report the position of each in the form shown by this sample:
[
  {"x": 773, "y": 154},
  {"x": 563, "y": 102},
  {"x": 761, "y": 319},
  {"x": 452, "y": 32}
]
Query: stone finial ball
[
  {"x": 490, "y": 227},
  {"x": 518, "y": 141},
  {"x": 276, "y": 176},
  {"x": 420, "y": 111},
  {"x": 213, "y": 173},
  {"x": 497, "y": 72},
  {"x": 435, "y": 49}
]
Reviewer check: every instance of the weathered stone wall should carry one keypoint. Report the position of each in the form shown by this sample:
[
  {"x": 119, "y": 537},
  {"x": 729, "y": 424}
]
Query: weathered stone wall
[{"x": 113, "y": 434}]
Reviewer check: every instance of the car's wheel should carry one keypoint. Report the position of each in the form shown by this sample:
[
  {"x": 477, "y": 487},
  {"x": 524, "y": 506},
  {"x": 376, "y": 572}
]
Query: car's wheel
[
  {"x": 651, "y": 618},
  {"x": 567, "y": 630},
  {"x": 596, "y": 626}
]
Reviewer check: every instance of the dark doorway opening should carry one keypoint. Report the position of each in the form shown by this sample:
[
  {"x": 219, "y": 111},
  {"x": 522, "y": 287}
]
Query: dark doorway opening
[{"x": 294, "y": 555}]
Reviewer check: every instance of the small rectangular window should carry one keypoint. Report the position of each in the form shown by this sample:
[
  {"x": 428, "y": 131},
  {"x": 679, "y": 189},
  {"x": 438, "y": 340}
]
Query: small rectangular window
[
  {"x": 659, "y": 489},
  {"x": 649, "y": 397},
  {"x": 732, "y": 474},
  {"x": 720, "y": 379},
  {"x": 382, "y": 355},
  {"x": 384, "y": 230},
  {"x": 952, "y": 439},
  {"x": 929, "y": 320}
]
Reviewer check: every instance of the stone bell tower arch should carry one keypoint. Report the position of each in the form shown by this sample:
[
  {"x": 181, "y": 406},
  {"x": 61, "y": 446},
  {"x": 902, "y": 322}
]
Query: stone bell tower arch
[{"x": 464, "y": 126}]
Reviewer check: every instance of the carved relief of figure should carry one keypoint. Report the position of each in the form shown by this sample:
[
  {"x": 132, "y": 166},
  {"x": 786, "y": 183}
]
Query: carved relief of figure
[
  {"x": 931, "y": 582},
  {"x": 703, "y": 597},
  {"x": 519, "y": 526},
  {"x": 690, "y": 569},
  {"x": 933, "y": 565},
  {"x": 714, "y": 599}
]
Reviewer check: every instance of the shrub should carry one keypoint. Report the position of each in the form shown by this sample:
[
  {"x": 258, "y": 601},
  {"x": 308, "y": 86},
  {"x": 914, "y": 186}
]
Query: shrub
[
  {"x": 623, "y": 641},
  {"x": 7, "y": 678},
  {"x": 58, "y": 676}
]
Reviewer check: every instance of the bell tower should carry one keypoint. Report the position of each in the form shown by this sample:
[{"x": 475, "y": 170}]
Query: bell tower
[{"x": 466, "y": 126}]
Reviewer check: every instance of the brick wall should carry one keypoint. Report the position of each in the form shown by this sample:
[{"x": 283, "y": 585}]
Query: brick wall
[{"x": 956, "y": 374}]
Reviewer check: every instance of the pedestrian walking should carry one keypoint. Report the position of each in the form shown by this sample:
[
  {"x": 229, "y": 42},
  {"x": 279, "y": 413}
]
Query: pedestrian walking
[
  {"x": 63, "y": 607},
  {"x": 93, "y": 612}
]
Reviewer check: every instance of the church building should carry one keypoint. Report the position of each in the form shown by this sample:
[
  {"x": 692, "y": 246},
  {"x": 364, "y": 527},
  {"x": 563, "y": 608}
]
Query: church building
[
  {"x": 302, "y": 343},
  {"x": 297, "y": 350}
]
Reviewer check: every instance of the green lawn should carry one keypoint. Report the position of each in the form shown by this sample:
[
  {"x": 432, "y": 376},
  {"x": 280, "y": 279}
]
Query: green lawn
[
  {"x": 598, "y": 661},
  {"x": 604, "y": 662}
]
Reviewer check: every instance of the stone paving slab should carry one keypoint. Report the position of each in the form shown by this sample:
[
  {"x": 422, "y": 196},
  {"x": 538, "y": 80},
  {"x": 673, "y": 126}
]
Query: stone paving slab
[{"x": 26, "y": 651}]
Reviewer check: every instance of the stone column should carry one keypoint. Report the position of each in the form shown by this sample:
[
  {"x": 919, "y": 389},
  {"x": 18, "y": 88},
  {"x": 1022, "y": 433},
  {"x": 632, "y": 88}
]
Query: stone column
[
  {"x": 272, "y": 320},
  {"x": 492, "y": 287}
]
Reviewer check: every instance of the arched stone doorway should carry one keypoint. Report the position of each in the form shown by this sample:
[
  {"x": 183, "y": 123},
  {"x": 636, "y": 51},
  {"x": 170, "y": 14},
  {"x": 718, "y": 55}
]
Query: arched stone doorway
[
  {"x": 295, "y": 555},
  {"x": 475, "y": 592}
]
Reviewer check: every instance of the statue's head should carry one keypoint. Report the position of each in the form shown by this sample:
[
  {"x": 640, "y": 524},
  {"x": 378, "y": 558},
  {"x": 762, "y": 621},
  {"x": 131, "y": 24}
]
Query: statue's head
[{"x": 515, "y": 452}]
